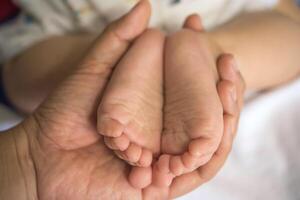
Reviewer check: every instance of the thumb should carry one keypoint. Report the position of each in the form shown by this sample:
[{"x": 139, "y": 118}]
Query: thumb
[
  {"x": 80, "y": 92},
  {"x": 114, "y": 41}
]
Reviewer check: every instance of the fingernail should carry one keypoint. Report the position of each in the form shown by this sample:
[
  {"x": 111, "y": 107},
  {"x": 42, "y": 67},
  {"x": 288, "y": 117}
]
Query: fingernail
[
  {"x": 230, "y": 128},
  {"x": 233, "y": 94},
  {"x": 195, "y": 14},
  {"x": 234, "y": 65},
  {"x": 136, "y": 5},
  {"x": 132, "y": 9}
]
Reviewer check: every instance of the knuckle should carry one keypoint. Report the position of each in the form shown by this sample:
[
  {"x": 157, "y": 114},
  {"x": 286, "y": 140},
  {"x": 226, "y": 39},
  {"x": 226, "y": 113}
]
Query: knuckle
[
  {"x": 207, "y": 176},
  {"x": 95, "y": 67},
  {"x": 111, "y": 26}
]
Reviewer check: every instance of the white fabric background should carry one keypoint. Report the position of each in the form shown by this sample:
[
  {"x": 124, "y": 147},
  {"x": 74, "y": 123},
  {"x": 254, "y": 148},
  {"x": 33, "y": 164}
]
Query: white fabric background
[{"x": 42, "y": 19}]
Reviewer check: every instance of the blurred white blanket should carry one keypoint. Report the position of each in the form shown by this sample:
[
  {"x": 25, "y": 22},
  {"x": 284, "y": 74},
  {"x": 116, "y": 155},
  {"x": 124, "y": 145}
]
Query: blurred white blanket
[
  {"x": 42, "y": 19},
  {"x": 265, "y": 161}
]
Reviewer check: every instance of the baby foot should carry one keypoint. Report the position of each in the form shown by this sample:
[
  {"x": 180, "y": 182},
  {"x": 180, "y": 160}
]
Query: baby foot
[
  {"x": 130, "y": 113},
  {"x": 193, "y": 114}
]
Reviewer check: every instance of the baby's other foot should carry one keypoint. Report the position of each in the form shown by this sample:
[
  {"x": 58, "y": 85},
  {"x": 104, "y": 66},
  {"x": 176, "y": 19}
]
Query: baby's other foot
[
  {"x": 130, "y": 113},
  {"x": 193, "y": 114}
]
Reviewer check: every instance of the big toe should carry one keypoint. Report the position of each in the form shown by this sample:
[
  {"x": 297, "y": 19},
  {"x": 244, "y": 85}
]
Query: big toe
[{"x": 109, "y": 127}]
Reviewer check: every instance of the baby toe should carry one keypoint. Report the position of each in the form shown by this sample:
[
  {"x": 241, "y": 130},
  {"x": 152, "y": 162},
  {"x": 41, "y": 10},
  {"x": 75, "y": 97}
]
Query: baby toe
[
  {"x": 146, "y": 158},
  {"x": 163, "y": 163},
  {"x": 110, "y": 127},
  {"x": 110, "y": 144},
  {"x": 121, "y": 154},
  {"x": 161, "y": 179},
  {"x": 176, "y": 165},
  {"x": 122, "y": 142},
  {"x": 189, "y": 161},
  {"x": 133, "y": 153}
]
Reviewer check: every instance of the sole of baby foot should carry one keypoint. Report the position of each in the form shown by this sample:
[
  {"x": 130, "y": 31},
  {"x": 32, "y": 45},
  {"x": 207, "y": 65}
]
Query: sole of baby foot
[
  {"x": 193, "y": 114},
  {"x": 130, "y": 112},
  {"x": 184, "y": 154}
]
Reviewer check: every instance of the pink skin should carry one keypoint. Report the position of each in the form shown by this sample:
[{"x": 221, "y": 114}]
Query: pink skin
[
  {"x": 124, "y": 136},
  {"x": 231, "y": 89},
  {"x": 191, "y": 98},
  {"x": 130, "y": 113},
  {"x": 67, "y": 158},
  {"x": 231, "y": 84},
  {"x": 168, "y": 171},
  {"x": 169, "y": 167},
  {"x": 176, "y": 163}
]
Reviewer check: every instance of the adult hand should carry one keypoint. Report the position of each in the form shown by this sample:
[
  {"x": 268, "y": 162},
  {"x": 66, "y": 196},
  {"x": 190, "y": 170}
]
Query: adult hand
[
  {"x": 60, "y": 153},
  {"x": 68, "y": 155}
]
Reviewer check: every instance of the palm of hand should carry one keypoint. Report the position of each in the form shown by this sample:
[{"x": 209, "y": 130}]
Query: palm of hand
[
  {"x": 82, "y": 174},
  {"x": 73, "y": 162},
  {"x": 70, "y": 159},
  {"x": 74, "y": 155}
]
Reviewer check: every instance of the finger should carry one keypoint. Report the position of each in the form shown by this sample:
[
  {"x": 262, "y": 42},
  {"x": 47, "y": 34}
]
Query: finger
[
  {"x": 116, "y": 38},
  {"x": 241, "y": 88},
  {"x": 208, "y": 171},
  {"x": 188, "y": 182},
  {"x": 228, "y": 96},
  {"x": 228, "y": 70},
  {"x": 155, "y": 192},
  {"x": 140, "y": 177},
  {"x": 194, "y": 22}
]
